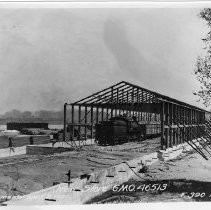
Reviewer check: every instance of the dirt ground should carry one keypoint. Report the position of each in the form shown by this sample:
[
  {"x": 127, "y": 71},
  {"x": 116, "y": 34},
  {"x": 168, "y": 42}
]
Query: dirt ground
[
  {"x": 24, "y": 174},
  {"x": 186, "y": 178}
]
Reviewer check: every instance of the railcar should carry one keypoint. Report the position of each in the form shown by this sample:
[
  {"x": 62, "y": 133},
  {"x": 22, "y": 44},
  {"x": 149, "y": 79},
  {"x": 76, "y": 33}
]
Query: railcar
[{"x": 120, "y": 129}]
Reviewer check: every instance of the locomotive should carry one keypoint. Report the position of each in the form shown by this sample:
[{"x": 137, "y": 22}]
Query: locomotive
[{"x": 121, "y": 129}]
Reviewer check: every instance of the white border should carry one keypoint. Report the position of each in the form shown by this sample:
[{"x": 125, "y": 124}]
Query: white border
[
  {"x": 106, "y": 4},
  {"x": 103, "y": 4}
]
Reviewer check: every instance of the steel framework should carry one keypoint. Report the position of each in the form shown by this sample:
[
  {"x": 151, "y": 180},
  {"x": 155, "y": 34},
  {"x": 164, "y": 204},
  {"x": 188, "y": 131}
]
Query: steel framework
[{"x": 179, "y": 122}]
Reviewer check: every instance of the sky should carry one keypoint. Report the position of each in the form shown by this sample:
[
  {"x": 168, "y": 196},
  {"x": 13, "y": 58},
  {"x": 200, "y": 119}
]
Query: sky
[{"x": 52, "y": 56}]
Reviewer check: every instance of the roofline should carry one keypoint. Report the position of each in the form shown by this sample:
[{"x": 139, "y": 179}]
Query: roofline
[
  {"x": 162, "y": 97},
  {"x": 169, "y": 98}
]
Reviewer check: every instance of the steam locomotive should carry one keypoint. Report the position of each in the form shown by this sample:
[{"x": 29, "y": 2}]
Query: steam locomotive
[{"x": 121, "y": 129}]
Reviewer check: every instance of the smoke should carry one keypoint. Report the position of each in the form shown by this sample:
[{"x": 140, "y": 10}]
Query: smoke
[{"x": 129, "y": 59}]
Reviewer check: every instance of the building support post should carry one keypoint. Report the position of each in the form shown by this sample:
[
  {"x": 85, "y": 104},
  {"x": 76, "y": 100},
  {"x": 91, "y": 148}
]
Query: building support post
[
  {"x": 162, "y": 124},
  {"x": 65, "y": 122},
  {"x": 79, "y": 126},
  {"x": 85, "y": 122},
  {"x": 92, "y": 123},
  {"x": 72, "y": 122}
]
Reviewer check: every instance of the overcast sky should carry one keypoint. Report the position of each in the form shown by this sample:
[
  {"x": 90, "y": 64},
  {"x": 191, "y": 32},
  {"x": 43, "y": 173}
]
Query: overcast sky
[{"x": 52, "y": 56}]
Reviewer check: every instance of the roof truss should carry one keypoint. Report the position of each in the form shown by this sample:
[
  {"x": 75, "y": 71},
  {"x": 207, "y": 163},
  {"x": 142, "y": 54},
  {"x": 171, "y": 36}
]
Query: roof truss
[{"x": 125, "y": 93}]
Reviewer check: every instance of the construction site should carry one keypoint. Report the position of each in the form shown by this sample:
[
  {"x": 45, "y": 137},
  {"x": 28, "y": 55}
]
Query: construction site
[{"x": 124, "y": 143}]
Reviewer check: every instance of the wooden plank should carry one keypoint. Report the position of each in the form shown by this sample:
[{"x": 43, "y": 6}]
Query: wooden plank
[
  {"x": 92, "y": 122},
  {"x": 65, "y": 122},
  {"x": 79, "y": 121},
  {"x": 97, "y": 115},
  {"x": 170, "y": 123},
  {"x": 107, "y": 114},
  {"x": 73, "y": 116},
  {"x": 112, "y": 99},
  {"x": 85, "y": 122},
  {"x": 167, "y": 123},
  {"x": 102, "y": 114},
  {"x": 162, "y": 125}
]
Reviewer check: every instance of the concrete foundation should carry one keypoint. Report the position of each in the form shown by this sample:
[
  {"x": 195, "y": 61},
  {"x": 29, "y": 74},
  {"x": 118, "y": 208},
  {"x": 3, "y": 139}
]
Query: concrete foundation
[{"x": 4, "y": 153}]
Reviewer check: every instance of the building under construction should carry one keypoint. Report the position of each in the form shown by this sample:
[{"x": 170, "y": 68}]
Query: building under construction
[{"x": 179, "y": 122}]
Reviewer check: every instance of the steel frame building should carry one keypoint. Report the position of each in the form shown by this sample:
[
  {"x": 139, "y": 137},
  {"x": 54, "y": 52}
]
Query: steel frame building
[{"x": 180, "y": 122}]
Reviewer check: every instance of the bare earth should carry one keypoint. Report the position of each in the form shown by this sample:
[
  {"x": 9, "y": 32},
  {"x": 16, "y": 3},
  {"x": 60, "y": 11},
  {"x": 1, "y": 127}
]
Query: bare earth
[
  {"x": 183, "y": 176},
  {"x": 23, "y": 174},
  {"x": 188, "y": 178}
]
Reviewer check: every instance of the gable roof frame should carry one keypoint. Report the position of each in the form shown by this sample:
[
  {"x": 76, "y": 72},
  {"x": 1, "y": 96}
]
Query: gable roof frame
[{"x": 125, "y": 92}]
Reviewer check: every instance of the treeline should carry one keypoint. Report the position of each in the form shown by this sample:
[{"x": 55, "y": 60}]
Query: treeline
[
  {"x": 53, "y": 117},
  {"x": 42, "y": 114}
]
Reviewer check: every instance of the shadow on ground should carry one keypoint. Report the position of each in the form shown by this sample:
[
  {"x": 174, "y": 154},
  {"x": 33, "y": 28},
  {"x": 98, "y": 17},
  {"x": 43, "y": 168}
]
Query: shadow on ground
[{"x": 156, "y": 191}]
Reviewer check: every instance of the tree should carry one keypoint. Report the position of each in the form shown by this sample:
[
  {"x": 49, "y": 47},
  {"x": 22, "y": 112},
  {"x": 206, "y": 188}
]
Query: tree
[
  {"x": 13, "y": 114},
  {"x": 26, "y": 114},
  {"x": 203, "y": 64}
]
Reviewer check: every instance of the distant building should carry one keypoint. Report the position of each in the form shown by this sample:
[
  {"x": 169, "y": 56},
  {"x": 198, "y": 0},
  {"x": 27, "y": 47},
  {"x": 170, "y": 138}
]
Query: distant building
[{"x": 21, "y": 125}]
